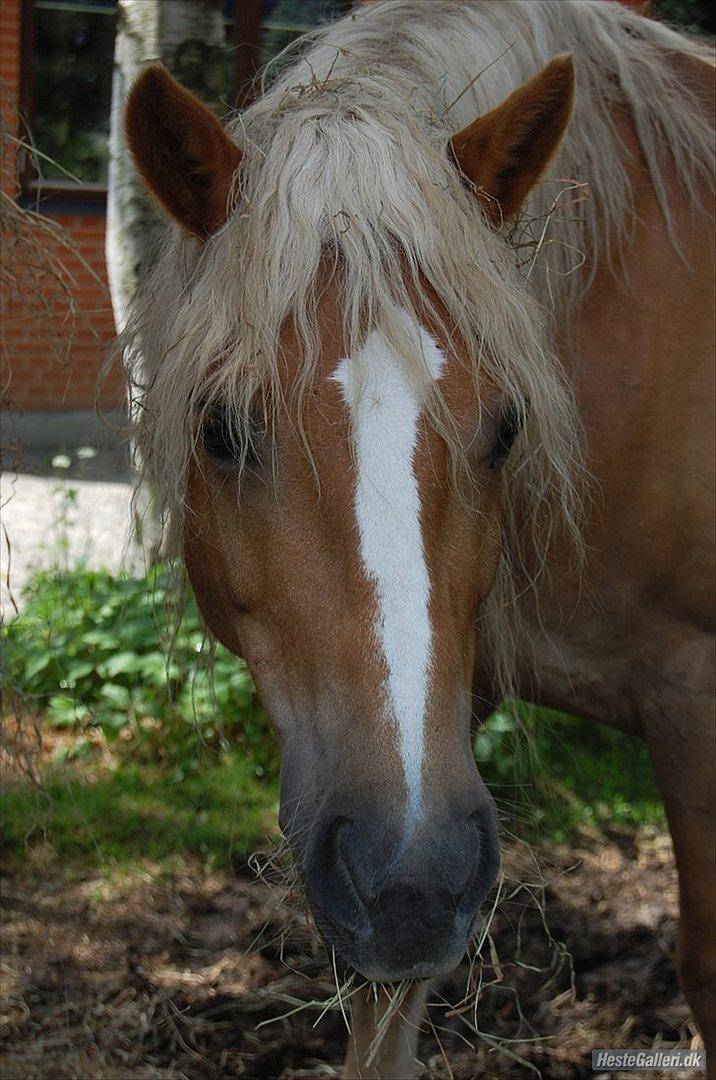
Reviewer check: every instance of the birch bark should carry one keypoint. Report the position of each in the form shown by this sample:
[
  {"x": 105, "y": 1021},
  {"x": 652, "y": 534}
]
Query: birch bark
[{"x": 188, "y": 37}]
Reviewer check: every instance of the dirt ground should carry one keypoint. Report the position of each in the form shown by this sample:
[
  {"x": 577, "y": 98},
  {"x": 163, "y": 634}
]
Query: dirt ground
[{"x": 175, "y": 974}]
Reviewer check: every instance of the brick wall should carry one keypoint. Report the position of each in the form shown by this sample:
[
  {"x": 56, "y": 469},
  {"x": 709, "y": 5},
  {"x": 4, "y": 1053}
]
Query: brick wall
[
  {"x": 54, "y": 342},
  {"x": 52, "y": 355}
]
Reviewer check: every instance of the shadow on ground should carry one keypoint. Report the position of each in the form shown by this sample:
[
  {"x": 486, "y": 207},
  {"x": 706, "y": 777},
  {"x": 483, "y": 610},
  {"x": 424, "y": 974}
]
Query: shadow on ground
[{"x": 192, "y": 973}]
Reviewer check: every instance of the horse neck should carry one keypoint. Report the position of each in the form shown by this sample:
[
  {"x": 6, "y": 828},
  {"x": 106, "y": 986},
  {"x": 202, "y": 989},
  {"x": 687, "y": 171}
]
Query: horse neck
[
  {"x": 643, "y": 324},
  {"x": 640, "y": 361}
]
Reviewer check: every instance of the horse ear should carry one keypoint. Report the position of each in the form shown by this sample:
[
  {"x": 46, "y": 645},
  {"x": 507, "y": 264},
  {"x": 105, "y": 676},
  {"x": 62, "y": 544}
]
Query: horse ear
[
  {"x": 504, "y": 152},
  {"x": 181, "y": 150}
]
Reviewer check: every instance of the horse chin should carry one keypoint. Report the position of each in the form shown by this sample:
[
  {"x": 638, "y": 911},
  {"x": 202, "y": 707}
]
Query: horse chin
[
  {"x": 394, "y": 961},
  {"x": 418, "y": 971}
]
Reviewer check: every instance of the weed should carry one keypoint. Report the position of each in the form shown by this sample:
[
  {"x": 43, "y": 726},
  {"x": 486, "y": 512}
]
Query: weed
[{"x": 92, "y": 650}]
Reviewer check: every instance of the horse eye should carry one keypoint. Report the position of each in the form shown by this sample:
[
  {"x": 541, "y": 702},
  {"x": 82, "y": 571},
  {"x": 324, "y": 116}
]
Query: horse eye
[
  {"x": 225, "y": 448},
  {"x": 510, "y": 424},
  {"x": 217, "y": 436}
]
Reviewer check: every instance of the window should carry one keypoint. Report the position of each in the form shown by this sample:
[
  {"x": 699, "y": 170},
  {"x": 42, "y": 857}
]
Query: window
[
  {"x": 262, "y": 28},
  {"x": 70, "y": 47},
  {"x": 284, "y": 20},
  {"x": 71, "y": 77}
]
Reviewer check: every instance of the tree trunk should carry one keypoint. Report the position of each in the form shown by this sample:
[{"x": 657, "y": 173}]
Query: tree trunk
[{"x": 188, "y": 37}]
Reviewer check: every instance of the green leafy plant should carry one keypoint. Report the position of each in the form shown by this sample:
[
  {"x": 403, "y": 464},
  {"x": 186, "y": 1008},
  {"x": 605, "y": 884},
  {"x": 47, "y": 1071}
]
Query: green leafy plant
[{"x": 95, "y": 650}]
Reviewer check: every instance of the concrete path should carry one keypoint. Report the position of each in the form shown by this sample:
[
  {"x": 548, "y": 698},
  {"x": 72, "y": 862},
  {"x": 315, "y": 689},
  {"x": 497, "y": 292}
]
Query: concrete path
[{"x": 58, "y": 521}]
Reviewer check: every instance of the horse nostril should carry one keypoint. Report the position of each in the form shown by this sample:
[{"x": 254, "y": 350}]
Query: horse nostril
[
  {"x": 485, "y": 861},
  {"x": 338, "y": 844},
  {"x": 332, "y": 854}
]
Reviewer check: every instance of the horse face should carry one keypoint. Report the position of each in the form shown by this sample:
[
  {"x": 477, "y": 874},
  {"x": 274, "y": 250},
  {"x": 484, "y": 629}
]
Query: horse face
[{"x": 347, "y": 567}]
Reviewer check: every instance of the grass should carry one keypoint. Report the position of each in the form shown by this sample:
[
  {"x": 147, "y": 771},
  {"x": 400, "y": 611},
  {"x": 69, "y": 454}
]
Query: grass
[
  {"x": 574, "y": 784},
  {"x": 568, "y": 776},
  {"x": 138, "y": 813}
]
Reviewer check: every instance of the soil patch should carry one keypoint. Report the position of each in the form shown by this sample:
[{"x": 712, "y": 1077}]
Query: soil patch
[{"x": 175, "y": 974}]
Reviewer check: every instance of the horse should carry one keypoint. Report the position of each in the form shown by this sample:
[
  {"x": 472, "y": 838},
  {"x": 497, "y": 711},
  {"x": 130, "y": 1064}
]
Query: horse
[{"x": 422, "y": 382}]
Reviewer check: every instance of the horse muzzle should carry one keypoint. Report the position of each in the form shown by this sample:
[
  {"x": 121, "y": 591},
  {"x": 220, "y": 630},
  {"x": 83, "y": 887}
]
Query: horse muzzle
[{"x": 400, "y": 908}]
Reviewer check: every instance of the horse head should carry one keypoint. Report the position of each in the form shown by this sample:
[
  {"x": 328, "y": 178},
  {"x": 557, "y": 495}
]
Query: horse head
[{"x": 343, "y": 508}]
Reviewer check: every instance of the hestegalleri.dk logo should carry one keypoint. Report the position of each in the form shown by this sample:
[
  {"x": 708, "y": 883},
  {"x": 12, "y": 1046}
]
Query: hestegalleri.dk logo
[{"x": 648, "y": 1059}]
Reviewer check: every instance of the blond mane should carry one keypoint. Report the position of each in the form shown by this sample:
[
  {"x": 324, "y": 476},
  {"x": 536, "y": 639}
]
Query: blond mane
[{"x": 345, "y": 159}]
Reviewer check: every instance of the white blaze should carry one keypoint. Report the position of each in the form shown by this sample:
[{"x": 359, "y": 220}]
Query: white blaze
[{"x": 385, "y": 410}]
